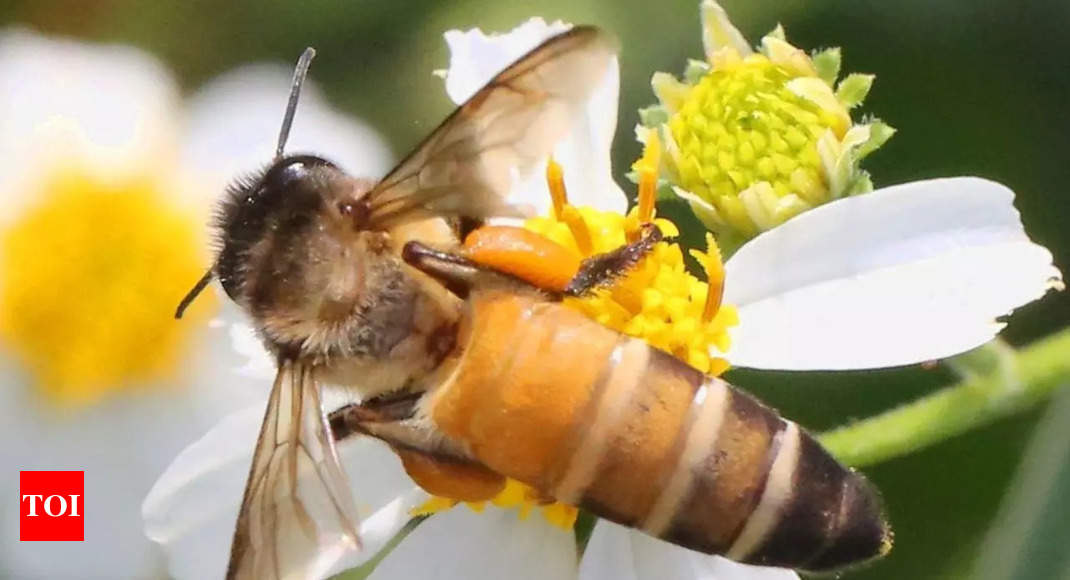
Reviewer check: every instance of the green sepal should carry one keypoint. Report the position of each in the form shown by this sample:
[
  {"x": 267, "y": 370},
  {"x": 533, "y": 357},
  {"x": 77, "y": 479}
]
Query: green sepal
[
  {"x": 861, "y": 183},
  {"x": 853, "y": 89},
  {"x": 879, "y": 133},
  {"x": 695, "y": 70},
  {"x": 827, "y": 64},
  {"x": 778, "y": 32},
  {"x": 653, "y": 116}
]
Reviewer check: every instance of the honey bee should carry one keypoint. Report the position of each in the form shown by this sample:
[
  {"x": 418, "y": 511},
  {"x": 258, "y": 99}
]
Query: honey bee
[
  {"x": 366, "y": 287},
  {"x": 538, "y": 392}
]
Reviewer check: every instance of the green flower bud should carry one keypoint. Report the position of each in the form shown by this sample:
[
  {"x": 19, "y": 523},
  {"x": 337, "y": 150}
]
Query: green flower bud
[{"x": 754, "y": 138}]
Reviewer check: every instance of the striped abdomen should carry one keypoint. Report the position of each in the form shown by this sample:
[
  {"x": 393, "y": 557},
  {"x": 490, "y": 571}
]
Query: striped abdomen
[{"x": 596, "y": 419}]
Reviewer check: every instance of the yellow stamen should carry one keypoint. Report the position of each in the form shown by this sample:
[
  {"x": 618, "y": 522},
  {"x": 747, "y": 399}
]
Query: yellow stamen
[
  {"x": 515, "y": 495},
  {"x": 647, "y": 168},
  {"x": 576, "y": 224},
  {"x": 433, "y": 505},
  {"x": 714, "y": 278},
  {"x": 658, "y": 301},
  {"x": 555, "y": 179},
  {"x": 561, "y": 515}
]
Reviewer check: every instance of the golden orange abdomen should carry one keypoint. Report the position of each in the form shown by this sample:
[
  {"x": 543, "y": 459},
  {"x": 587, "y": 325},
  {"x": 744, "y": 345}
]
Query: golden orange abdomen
[{"x": 599, "y": 420}]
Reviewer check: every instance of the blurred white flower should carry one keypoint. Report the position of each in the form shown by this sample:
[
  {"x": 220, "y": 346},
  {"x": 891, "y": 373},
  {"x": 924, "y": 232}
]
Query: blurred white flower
[
  {"x": 897, "y": 274},
  {"x": 106, "y": 204}
]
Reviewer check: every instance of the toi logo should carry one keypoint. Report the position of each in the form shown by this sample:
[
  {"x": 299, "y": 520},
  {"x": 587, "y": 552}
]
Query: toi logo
[{"x": 51, "y": 506}]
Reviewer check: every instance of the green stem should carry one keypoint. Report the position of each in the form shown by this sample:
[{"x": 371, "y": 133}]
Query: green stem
[{"x": 1038, "y": 369}]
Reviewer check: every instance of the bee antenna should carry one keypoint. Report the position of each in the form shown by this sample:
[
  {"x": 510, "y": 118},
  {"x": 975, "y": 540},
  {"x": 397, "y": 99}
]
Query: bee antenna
[
  {"x": 300, "y": 71},
  {"x": 193, "y": 293}
]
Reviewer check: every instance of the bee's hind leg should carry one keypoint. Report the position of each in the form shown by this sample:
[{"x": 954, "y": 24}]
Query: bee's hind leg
[
  {"x": 361, "y": 418},
  {"x": 434, "y": 462}
]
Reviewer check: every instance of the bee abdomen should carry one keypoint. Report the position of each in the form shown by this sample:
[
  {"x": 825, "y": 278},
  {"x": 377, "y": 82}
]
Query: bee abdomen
[
  {"x": 606, "y": 422},
  {"x": 734, "y": 478}
]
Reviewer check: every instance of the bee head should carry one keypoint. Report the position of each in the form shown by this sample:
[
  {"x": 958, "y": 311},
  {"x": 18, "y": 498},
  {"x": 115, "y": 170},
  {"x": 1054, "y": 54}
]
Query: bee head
[
  {"x": 277, "y": 202},
  {"x": 248, "y": 201}
]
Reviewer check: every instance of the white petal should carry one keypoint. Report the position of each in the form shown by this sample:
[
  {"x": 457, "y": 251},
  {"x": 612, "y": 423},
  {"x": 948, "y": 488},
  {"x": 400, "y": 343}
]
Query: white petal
[
  {"x": 491, "y": 545},
  {"x": 107, "y": 107},
  {"x": 380, "y": 527},
  {"x": 192, "y": 508},
  {"x": 476, "y": 57},
  {"x": 618, "y": 553},
  {"x": 246, "y": 343},
  {"x": 122, "y": 444},
  {"x": 905, "y": 274},
  {"x": 233, "y": 124}
]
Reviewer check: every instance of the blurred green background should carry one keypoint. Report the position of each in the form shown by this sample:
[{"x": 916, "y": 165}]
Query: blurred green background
[{"x": 976, "y": 87}]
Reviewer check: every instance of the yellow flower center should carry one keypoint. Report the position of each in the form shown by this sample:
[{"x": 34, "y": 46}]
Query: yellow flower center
[
  {"x": 659, "y": 301},
  {"x": 515, "y": 495},
  {"x": 742, "y": 125},
  {"x": 89, "y": 279}
]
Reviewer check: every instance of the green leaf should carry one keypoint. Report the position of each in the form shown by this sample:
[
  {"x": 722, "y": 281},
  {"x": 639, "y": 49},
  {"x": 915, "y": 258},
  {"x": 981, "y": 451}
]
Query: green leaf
[
  {"x": 1029, "y": 537},
  {"x": 583, "y": 529}
]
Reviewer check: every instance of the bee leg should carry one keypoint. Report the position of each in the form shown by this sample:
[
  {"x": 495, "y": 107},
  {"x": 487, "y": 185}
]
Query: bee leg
[
  {"x": 433, "y": 462},
  {"x": 603, "y": 269},
  {"x": 457, "y": 273},
  {"x": 505, "y": 258},
  {"x": 394, "y": 420},
  {"x": 450, "y": 478},
  {"x": 353, "y": 418}
]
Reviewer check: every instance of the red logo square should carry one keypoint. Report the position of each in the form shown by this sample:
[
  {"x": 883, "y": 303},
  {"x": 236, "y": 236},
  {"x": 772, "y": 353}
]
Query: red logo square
[{"x": 51, "y": 506}]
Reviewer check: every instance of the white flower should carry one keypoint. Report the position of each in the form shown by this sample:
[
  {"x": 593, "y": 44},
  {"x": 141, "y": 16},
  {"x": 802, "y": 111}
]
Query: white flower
[
  {"x": 103, "y": 231},
  {"x": 905, "y": 274},
  {"x": 902, "y": 275},
  {"x": 193, "y": 506}
]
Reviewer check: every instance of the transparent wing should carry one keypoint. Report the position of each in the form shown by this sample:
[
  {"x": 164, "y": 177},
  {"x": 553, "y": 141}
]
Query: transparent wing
[
  {"x": 297, "y": 517},
  {"x": 467, "y": 165}
]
